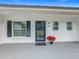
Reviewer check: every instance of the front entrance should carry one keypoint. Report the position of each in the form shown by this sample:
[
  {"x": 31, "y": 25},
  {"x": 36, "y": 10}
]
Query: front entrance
[{"x": 40, "y": 32}]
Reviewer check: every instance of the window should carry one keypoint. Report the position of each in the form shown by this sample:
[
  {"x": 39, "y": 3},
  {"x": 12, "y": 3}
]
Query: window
[
  {"x": 55, "y": 25},
  {"x": 69, "y": 25},
  {"x": 20, "y": 28}
]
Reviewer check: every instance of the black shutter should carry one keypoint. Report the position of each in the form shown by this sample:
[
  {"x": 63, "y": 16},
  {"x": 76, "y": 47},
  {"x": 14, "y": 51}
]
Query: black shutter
[
  {"x": 28, "y": 29},
  {"x": 9, "y": 28}
]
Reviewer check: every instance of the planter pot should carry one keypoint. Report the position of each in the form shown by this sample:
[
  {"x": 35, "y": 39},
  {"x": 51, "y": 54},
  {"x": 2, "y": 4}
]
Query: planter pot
[{"x": 51, "y": 42}]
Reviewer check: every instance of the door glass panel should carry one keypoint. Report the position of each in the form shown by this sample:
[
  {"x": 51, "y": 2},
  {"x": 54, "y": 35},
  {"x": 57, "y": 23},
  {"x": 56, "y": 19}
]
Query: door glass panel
[{"x": 40, "y": 30}]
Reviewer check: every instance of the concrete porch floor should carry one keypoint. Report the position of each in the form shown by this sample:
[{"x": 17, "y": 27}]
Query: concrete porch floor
[{"x": 30, "y": 51}]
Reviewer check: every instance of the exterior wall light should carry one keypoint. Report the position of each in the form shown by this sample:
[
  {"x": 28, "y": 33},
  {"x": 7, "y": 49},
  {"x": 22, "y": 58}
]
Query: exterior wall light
[{"x": 49, "y": 24}]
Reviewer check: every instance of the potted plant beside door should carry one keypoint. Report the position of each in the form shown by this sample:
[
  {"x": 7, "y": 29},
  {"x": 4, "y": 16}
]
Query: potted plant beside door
[{"x": 51, "y": 39}]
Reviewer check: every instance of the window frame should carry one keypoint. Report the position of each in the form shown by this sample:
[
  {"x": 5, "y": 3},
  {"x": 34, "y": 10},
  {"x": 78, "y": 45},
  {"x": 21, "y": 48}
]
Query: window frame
[
  {"x": 20, "y": 36},
  {"x": 69, "y": 26},
  {"x": 55, "y": 26}
]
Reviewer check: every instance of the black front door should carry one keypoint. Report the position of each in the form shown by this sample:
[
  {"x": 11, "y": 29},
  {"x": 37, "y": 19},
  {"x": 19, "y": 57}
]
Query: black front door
[{"x": 40, "y": 31}]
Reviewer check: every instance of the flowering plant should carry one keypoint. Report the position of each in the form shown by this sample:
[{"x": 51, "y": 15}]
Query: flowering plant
[{"x": 51, "y": 38}]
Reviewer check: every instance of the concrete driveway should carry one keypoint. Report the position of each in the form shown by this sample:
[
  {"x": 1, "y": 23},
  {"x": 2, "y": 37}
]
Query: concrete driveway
[{"x": 30, "y": 51}]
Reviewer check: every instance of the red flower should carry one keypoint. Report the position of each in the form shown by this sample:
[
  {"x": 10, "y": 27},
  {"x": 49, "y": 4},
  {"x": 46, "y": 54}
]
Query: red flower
[{"x": 51, "y": 38}]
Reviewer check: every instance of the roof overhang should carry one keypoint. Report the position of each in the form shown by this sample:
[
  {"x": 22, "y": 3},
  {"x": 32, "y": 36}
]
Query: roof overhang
[{"x": 49, "y": 9}]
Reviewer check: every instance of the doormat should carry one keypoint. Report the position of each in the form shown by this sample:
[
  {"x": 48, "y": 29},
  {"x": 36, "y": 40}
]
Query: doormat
[{"x": 40, "y": 44}]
